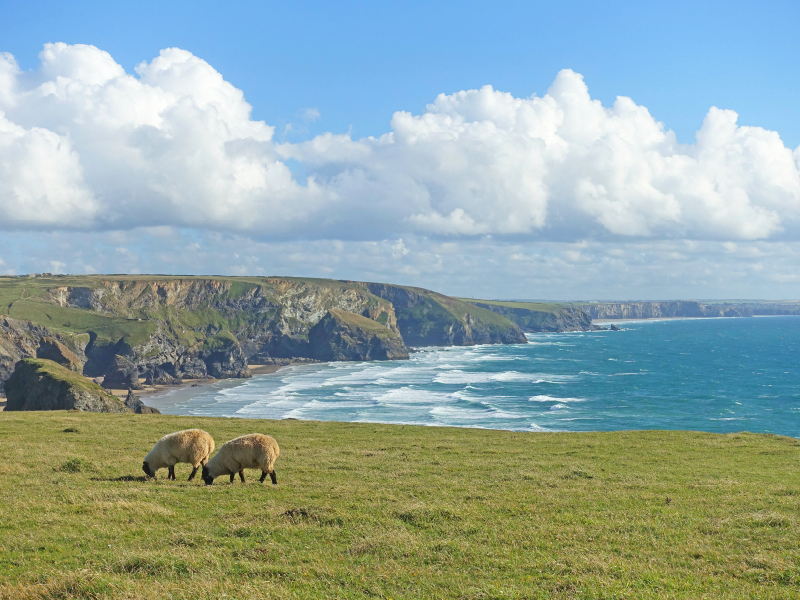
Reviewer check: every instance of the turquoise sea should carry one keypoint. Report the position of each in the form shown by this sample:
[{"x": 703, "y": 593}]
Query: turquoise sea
[{"x": 718, "y": 375}]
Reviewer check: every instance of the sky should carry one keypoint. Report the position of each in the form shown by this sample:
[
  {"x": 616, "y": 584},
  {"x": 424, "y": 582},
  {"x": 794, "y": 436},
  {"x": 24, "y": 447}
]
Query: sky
[{"x": 572, "y": 151}]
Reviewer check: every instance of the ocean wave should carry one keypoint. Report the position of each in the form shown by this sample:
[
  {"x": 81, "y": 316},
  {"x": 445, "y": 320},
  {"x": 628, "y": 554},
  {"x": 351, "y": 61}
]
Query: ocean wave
[
  {"x": 543, "y": 398},
  {"x": 535, "y": 427},
  {"x": 468, "y": 377}
]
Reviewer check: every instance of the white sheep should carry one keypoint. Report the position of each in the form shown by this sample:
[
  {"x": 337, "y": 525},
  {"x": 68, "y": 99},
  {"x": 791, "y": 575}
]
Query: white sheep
[
  {"x": 192, "y": 446},
  {"x": 253, "y": 451}
]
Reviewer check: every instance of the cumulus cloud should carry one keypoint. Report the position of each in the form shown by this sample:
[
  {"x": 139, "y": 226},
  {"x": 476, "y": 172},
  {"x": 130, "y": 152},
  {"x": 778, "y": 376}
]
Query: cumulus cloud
[{"x": 85, "y": 145}]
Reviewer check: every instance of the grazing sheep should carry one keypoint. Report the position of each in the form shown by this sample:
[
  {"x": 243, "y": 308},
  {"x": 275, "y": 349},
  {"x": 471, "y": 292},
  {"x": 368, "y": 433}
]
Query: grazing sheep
[
  {"x": 254, "y": 451},
  {"x": 192, "y": 446}
]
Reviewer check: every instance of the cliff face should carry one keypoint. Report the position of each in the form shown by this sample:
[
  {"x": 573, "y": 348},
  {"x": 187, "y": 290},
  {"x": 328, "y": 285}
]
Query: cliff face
[
  {"x": 532, "y": 319},
  {"x": 426, "y": 318},
  {"x": 645, "y": 310},
  {"x": 23, "y": 339},
  {"x": 341, "y": 335},
  {"x": 40, "y": 384},
  {"x": 167, "y": 328}
]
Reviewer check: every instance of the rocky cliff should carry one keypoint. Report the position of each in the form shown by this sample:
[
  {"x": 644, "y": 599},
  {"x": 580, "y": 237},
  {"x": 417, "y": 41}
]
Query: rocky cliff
[
  {"x": 686, "y": 308},
  {"x": 341, "y": 335},
  {"x": 164, "y": 329},
  {"x": 23, "y": 339},
  {"x": 425, "y": 318},
  {"x": 535, "y": 317},
  {"x": 644, "y": 310},
  {"x": 40, "y": 384}
]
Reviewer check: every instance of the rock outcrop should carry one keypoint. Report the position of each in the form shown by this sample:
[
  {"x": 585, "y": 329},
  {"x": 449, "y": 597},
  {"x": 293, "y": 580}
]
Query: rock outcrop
[
  {"x": 122, "y": 375},
  {"x": 220, "y": 357},
  {"x": 40, "y": 384},
  {"x": 161, "y": 375},
  {"x": 140, "y": 408},
  {"x": 341, "y": 335},
  {"x": 51, "y": 349}
]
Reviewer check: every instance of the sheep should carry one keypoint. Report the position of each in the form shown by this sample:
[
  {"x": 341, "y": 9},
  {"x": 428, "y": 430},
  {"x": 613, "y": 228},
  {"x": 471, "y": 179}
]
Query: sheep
[
  {"x": 192, "y": 446},
  {"x": 253, "y": 451}
]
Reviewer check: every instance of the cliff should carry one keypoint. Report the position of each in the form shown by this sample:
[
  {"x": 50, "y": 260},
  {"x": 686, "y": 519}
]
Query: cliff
[
  {"x": 535, "y": 317},
  {"x": 644, "y": 310},
  {"x": 426, "y": 318},
  {"x": 686, "y": 308},
  {"x": 23, "y": 339},
  {"x": 40, "y": 384},
  {"x": 164, "y": 329},
  {"x": 341, "y": 335}
]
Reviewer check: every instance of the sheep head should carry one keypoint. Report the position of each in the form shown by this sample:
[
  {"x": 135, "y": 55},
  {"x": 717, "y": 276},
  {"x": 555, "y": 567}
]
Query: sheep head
[{"x": 206, "y": 476}]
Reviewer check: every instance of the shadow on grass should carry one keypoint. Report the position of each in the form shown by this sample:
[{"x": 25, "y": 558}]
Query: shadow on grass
[{"x": 140, "y": 478}]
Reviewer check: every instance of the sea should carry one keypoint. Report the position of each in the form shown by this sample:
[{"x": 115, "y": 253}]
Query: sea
[{"x": 716, "y": 375}]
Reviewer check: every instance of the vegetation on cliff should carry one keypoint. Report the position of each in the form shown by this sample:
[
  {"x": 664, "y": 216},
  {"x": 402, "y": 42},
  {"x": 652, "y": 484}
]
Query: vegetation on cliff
[
  {"x": 427, "y": 318},
  {"x": 369, "y": 510},
  {"x": 170, "y": 328},
  {"x": 41, "y": 384},
  {"x": 341, "y": 335}
]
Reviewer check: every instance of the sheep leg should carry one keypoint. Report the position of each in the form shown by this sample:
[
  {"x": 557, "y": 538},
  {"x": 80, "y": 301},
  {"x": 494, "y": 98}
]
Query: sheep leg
[
  {"x": 172, "y": 472},
  {"x": 241, "y": 475},
  {"x": 271, "y": 475},
  {"x": 232, "y": 476},
  {"x": 194, "y": 472}
]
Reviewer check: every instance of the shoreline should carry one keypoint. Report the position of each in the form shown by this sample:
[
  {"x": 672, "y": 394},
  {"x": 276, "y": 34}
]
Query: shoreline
[
  {"x": 151, "y": 391},
  {"x": 157, "y": 390}
]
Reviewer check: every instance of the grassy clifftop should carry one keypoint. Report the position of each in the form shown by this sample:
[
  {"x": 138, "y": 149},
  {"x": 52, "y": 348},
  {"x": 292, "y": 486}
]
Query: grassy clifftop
[{"x": 364, "y": 510}]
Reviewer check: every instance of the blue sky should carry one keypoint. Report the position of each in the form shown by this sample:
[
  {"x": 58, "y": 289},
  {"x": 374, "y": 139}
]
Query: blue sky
[
  {"x": 359, "y": 62},
  {"x": 312, "y": 69}
]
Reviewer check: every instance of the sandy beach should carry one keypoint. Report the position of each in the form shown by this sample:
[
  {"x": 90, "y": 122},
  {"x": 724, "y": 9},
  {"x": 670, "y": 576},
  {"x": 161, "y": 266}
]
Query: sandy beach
[{"x": 152, "y": 390}]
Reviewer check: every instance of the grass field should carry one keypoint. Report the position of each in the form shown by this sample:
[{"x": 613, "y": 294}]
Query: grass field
[{"x": 378, "y": 511}]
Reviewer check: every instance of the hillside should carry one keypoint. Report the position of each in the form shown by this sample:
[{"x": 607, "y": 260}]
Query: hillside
[
  {"x": 189, "y": 327},
  {"x": 367, "y": 510}
]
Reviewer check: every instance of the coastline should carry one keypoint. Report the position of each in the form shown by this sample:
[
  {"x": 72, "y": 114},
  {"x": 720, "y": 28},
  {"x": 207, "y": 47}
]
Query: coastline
[
  {"x": 163, "y": 390},
  {"x": 157, "y": 396},
  {"x": 635, "y": 319}
]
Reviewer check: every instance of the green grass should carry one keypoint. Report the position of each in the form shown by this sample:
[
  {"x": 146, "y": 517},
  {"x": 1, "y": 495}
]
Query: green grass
[
  {"x": 77, "y": 321},
  {"x": 224, "y": 339},
  {"x": 359, "y": 322},
  {"x": 378, "y": 511},
  {"x": 61, "y": 373}
]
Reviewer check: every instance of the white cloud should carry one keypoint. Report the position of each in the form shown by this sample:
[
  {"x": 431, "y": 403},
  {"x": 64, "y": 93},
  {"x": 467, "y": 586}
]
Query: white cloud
[
  {"x": 310, "y": 115},
  {"x": 84, "y": 145}
]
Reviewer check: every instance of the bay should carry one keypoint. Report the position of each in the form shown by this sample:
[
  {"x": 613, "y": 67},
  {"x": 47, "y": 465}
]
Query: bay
[{"x": 717, "y": 375}]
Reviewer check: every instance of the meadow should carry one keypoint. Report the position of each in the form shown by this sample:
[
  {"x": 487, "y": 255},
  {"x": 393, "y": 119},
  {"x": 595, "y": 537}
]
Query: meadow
[{"x": 380, "y": 511}]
